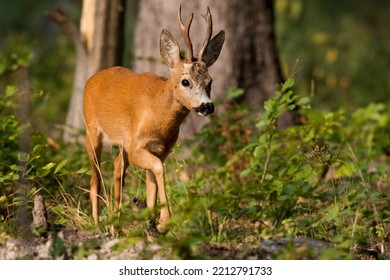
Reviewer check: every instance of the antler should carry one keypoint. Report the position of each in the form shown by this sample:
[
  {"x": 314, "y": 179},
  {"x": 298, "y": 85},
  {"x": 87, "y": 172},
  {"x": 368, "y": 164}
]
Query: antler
[
  {"x": 206, "y": 41},
  {"x": 185, "y": 31}
]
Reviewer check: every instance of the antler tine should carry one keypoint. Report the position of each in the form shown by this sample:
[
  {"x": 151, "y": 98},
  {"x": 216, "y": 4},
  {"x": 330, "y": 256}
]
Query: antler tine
[
  {"x": 206, "y": 41},
  {"x": 185, "y": 31}
]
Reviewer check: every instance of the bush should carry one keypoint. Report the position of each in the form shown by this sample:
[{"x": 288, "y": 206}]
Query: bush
[{"x": 327, "y": 179}]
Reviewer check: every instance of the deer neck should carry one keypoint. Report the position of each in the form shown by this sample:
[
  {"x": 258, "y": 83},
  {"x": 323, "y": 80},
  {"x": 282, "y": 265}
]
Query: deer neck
[{"x": 175, "y": 110}]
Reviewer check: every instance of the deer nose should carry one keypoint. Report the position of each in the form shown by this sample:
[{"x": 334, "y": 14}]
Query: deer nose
[{"x": 205, "y": 109}]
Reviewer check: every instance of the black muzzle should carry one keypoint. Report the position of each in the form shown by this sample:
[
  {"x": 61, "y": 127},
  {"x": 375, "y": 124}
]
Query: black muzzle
[{"x": 205, "y": 109}]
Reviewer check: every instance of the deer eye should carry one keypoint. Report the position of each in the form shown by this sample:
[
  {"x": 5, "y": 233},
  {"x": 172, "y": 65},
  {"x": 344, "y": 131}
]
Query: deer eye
[{"x": 185, "y": 83}]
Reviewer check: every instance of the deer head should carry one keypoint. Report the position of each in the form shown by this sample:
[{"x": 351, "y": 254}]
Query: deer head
[{"x": 190, "y": 74}]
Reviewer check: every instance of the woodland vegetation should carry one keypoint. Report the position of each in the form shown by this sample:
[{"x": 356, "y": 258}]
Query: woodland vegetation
[{"x": 246, "y": 177}]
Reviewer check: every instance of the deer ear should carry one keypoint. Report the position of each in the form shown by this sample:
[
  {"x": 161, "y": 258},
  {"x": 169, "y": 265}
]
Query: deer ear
[
  {"x": 214, "y": 48},
  {"x": 169, "y": 49}
]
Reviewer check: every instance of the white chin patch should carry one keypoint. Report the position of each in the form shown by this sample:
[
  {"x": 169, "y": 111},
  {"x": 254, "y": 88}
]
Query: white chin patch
[{"x": 201, "y": 114}]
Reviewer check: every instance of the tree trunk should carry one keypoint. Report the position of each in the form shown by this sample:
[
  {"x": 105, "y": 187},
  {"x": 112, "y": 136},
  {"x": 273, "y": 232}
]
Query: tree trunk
[
  {"x": 248, "y": 59},
  {"x": 255, "y": 60},
  {"x": 99, "y": 44},
  {"x": 23, "y": 217}
]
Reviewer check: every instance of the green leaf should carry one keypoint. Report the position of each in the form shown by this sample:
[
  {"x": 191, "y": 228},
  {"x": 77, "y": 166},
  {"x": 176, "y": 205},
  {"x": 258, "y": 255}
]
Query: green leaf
[
  {"x": 263, "y": 123},
  {"x": 245, "y": 172},
  {"x": 82, "y": 170},
  {"x": 49, "y": 166},
  {"x": 291, "y": 107},
  {"x": 60, "y": 166},
  {"x": 258, "y": 152},
  {"x": 289, "y": 190},
  {"x": 17, "y": 167},
  {"x": 234, "y": 92},
  {"x": 10, "y": 91},
  {"x": 331, "y": 212},
  {"x": 32, "y": 191},
  {"x": 43, "y": 172},
  {"x": 9, "y": 177},
  {"x": 38, "y": 148},
  {"x": 24, "y": 157},
  {"x": 270, "y": 105},
  {"x": 346, "y": 170},
  {"x": 263, "y": 139},
  {"x": 304, "y": 101},
  {"x": 59, "y": 209},
  {"x": 288, "y": 84}
]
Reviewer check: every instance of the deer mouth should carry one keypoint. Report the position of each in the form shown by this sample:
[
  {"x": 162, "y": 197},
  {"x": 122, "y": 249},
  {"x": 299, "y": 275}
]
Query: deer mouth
[{"x": 205, "y": 109}]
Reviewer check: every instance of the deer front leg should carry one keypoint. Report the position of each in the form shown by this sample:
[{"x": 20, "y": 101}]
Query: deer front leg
[
  {"x": 151, "y": 195},
  {"x": 121, "y": 163},
  {"x": 146, "y": 160},
  {"x": 151, "y": 190}
]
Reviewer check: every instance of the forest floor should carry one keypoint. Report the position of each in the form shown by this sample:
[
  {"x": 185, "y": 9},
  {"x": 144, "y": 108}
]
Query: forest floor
[
  {"x": 51, "y": 241},
  {"x": 68, "y": 243},
  {"x": 60, "y": 242}
]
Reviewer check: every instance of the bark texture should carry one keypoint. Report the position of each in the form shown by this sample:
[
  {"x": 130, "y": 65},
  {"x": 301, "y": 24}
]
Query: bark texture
[
  {"x": 23, "y": 217},
  {"x": 99, "y": 44}
]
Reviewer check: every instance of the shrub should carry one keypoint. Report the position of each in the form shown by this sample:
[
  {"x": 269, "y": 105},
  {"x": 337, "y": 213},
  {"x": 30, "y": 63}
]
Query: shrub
[{"x": 327, "y": 179}]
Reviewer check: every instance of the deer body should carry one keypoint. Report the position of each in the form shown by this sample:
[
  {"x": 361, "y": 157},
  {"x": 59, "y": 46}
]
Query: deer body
[
  {"x": 142, "y": 113},
  {"x": 145, "y": 112}
]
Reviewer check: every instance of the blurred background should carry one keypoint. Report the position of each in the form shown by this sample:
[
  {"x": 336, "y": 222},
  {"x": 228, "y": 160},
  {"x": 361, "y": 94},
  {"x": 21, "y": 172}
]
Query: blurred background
[{"x": 338, "y": 50}]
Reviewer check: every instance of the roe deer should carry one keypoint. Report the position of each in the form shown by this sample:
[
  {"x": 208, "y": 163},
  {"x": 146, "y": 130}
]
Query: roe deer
[{"x": 142, "y": 113}]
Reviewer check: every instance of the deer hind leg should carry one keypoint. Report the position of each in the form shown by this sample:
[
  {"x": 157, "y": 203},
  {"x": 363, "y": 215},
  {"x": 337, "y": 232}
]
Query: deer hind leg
[
  {"x": 121, "y": 163},
  {"x": 94, "y": 150},
  {"x": 145, "y": 160}
]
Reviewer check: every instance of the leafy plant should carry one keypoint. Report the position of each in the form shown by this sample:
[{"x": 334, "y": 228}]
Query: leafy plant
[{"x": 324, "y": 179}]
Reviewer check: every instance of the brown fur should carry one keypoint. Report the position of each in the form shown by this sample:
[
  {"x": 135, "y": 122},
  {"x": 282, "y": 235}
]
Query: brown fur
[{"x": 141, "y": 114}]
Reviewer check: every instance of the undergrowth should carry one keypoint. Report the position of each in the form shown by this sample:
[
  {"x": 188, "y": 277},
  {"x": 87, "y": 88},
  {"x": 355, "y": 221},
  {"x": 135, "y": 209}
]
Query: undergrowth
[
  {"x": 245, "y": 179},
  {"x": 326, "y": 179}
]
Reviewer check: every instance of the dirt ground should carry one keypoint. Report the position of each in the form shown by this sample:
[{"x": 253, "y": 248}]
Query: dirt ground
[
  {"x": 59, "y": 242},
  {"x": 67, "y": 243}
]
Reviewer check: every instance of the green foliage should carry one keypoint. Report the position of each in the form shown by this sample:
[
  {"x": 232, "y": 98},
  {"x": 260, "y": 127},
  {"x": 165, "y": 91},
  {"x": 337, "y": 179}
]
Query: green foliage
[
  {"x": 21, "y": 57},
  {"x": 342, "y": 45},
  {"x": 9, "y": 128},
  {"x": 14, "y": 165},
  {"x": 327, "y": 179},
  {"x": 43, "y": 169},
  {"x": 28, "y": 38}
]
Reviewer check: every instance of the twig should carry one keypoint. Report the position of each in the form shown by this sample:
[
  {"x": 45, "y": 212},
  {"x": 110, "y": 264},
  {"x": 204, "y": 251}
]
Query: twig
[{"x": 62, "y": 19}]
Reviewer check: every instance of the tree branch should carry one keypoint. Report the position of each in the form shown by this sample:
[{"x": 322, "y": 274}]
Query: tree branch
[{"x": 62, "y": 19}]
